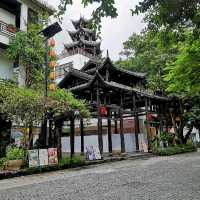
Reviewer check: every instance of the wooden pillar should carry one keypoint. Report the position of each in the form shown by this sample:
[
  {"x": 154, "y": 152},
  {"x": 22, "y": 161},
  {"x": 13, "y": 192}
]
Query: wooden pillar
[
  {"x": 72, "y": 135},
  {"x": 136, "y": 123},
  {"x": 115, "y": 123},
  {"x": 100, "y": 136},
  {"x": 50, "y": 143},
  {"x": 122, "y": 132},
  {"x": 147, "y": 123},
  {"x": 109, "y": 133},
  {"x": 82, "y": 135},
  {"x": 58, "y": 129}
]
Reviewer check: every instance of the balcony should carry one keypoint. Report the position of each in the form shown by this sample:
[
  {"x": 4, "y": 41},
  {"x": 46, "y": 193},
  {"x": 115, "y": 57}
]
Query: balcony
[{"x": 6, "y": 33}]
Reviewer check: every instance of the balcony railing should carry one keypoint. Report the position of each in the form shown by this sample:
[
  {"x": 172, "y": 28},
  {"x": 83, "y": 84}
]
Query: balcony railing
[{"x": 4, "y": 29}]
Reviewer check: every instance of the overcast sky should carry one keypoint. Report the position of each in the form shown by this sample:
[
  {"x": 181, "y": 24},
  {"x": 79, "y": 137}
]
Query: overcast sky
[{"x": 114, "y": 31}]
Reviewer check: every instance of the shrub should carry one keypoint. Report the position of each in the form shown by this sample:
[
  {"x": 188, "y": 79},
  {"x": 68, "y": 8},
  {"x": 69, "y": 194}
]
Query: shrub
[
  {"x": 15, "y": 153},
  {"x": 173, "y": 150},
  {"x": 2, "y": 163},
  {"x": 75, "y": 161},
  {"x": 78, "y": 160},
  {"x": 65, "y": 161}
]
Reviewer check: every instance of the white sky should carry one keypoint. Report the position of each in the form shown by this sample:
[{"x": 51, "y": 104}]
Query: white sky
[{"x": 114, "y": 31}]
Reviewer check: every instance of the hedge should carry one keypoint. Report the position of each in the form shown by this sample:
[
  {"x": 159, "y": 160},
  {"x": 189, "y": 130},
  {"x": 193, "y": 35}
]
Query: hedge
[{"x": 172, "y": 150}]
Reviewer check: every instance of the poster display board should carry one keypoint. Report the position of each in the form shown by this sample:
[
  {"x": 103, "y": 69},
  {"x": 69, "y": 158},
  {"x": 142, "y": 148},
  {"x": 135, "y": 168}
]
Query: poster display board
[
  {"x": 43, "y": 157},
  {"x": 33, "y": 158},
  {"x": 53, "y": 156},
  {"x": 92, "y": 153}
]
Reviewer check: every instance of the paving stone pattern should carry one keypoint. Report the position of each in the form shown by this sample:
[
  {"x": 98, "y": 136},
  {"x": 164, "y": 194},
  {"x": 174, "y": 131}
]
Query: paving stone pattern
[{"x": 157, "y": 178}]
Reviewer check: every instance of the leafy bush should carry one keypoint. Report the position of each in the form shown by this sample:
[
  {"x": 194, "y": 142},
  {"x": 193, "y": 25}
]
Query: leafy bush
[
  {"x": 15, "y": 153},
  {"x": 78, "y": 160},
  {"x": 2, "y": 163},
  {"x": 174, "y": 150},
  {"x": 67, "y": 161}
]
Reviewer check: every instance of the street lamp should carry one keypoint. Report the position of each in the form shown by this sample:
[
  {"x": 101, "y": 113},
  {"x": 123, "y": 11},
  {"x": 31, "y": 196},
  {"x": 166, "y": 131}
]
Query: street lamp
[{"x": 48, "y": 32}]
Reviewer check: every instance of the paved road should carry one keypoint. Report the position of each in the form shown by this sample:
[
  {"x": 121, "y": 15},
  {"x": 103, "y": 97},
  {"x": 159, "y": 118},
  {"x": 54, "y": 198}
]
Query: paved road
[{"x": 158, "y": 178}]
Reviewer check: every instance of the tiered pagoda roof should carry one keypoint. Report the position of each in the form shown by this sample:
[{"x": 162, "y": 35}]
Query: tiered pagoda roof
[{"x": 83, "y": 38}]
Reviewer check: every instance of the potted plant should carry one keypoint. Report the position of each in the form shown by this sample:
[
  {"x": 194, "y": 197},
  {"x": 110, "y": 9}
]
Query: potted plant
[
  {"x": 11, "y": 28},
  {"x": 14, "y": 158}
]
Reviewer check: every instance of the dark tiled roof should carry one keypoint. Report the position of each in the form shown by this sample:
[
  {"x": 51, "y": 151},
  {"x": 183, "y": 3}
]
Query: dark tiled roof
[
  {"x": 137, "y": 74},
  {"x": 100, "y": 65},
  {"x": 89, "y": 43},
  {"x": 91, "y": 62},
  {"x": 118, "y": 86},
  {"x": 81, "y": 19},
  {"x": 77, "y": 73},
  {"x": 81, "y": 29}
]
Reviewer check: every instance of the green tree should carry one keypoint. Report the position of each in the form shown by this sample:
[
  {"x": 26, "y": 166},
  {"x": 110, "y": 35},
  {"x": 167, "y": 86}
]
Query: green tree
[
  {"x": 151, "y": 53},
  {"x": 28, "y": 48}
]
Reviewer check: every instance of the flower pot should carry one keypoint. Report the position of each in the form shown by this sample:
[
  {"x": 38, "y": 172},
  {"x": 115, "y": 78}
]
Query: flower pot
[
  {"x": 13, "y": 165},
  {"x": 12, "y": 30}
]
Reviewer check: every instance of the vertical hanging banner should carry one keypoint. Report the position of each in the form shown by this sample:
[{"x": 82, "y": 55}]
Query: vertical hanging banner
[
  {"x": 33, "y": 158},
  {"x": 43, "y": 157},
  {"x": 53, "y": 156}
]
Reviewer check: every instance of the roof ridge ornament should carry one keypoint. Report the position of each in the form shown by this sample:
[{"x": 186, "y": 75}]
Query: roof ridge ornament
[{"x": 107, "y": 54}]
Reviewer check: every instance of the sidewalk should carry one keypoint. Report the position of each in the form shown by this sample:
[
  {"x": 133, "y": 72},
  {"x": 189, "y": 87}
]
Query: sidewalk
[{"x": 107, "y": 158}]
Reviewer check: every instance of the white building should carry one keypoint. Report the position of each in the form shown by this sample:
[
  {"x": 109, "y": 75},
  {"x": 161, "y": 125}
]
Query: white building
[{"x": 14, "y": 16}]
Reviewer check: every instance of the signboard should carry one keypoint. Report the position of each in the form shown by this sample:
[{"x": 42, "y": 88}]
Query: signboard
[
  {"x": 97, "y": 153},
  {"x": 43, "y": 157},
  {"x": 92, "y": 153},
  {"x": 33, "y": 158},
  {"x": 53, "y": 156}
]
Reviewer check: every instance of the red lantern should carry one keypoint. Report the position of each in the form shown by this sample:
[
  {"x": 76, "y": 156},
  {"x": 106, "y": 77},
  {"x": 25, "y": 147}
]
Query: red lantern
[
  {"x": 52, "y": 64},
  {"x": 52, "y": 76},
  {"x": 52, "y": 42},
  {"x": 103, "y": 111},
  {"x": 52, "y": 54},
  {"x": 52, "y": 87}
]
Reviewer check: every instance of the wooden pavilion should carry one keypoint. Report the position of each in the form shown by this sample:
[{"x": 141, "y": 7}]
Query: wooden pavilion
[{"x": 114, "y": 94}]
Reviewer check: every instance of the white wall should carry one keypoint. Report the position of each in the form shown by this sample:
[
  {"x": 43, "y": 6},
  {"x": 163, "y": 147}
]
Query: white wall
[
  {"x": 6, "y": 66},
  {"x": 78, "y": 60},
  {"x": 92, "y": 140},
  {"x": 7, "y": 17}
]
